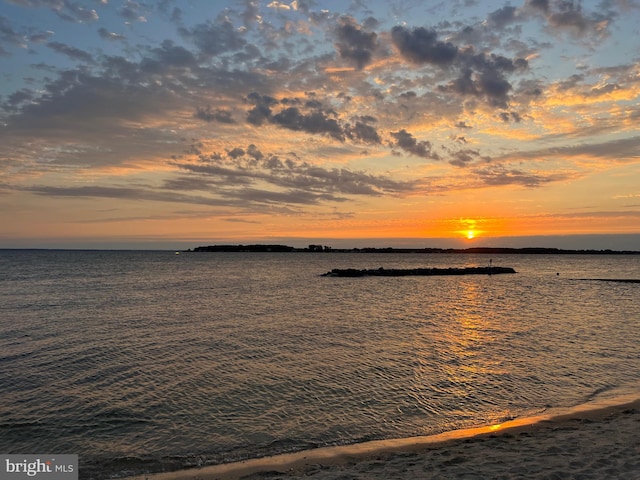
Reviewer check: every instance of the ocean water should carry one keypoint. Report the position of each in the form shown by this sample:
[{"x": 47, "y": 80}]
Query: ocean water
[{"x": 150, "y": 361}]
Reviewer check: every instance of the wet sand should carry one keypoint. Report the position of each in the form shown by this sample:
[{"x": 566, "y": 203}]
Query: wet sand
[{"x": 594, "y": 441}]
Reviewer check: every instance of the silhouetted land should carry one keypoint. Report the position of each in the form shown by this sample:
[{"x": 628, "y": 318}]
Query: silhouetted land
[
  {"x": 478, "y": 250},
  {"x": 245, "y": 248},
  {"x": 425, "y": 272}
]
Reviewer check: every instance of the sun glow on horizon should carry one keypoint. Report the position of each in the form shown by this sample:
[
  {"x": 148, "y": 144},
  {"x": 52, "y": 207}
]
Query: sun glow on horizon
[{"x": 468, "y": 228}]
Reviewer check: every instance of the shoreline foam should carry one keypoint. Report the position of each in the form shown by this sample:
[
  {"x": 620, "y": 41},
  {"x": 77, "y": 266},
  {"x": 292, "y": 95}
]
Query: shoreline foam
[{"x": 563, "y": 431}]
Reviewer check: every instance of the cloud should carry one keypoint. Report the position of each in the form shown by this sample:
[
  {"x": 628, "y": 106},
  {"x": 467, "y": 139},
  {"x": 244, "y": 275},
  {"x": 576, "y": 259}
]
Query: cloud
[
  {"x": 421, "y": 46},
  {"x": 313, "y": 122},
  {"x": 503, "y": 16},
  {"x": 65, "y": 9},
  {"x": 363, "y": 132},
  {"x": 210, "y": 114},
  {"x": 71, "y": 52},
  {"x": 107, "y": 35},
  {"x": 13, "y": 38},
  {"x": 354, "y": 44},
  {"x": 309, "y": 116},
  {"x": 167, "y": 57},
  {"x": 8, "y": 35},
  {"x": 620, "y": 150},
  {"x": 124, "y": 193},
  {"x": 261, "y": 111},
  {"x": 308, "y": 83},
  {"x": 464, "y": 157},
  {"x": 214, "y": 38},
  {"x": 506, "y": 117},
  {"x": 479, "y": 74},
  {"x": 540, "y": 5},
  {"x": 407, "y": 142},
  {"x": 40, "y": 37},
  {"x": 80, "y": 102},
  {"x": 18, "y": 98},
  {"x": 498, "y": 175},
  {"x": 131, "y": 11},
  {"x": 484, "y": 75},
  {"x": 569, "y": 16},
  {"x": 250, "y": 167}
]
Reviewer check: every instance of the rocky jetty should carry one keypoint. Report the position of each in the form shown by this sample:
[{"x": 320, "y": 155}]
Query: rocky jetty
[{"x": 401, "y": 272}]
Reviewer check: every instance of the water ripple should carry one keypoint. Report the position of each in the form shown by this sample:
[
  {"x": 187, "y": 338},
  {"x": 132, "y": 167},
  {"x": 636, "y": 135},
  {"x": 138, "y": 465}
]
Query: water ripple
[{"x": 145, "y": 360}]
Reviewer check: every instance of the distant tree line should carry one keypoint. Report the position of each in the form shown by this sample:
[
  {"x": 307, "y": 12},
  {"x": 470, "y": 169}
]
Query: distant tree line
[{"x": 480, "y": 250}]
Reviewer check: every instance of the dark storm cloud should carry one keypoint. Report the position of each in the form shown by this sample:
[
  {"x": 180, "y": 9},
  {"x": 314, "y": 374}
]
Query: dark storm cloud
[
  {"x": 214, "y": 38},
  {"x": 408, "y": 143},
  {"x": 71, "y": 52},
  {"x": 354, "y": 44},
  {"x": 421, "y": 45}
]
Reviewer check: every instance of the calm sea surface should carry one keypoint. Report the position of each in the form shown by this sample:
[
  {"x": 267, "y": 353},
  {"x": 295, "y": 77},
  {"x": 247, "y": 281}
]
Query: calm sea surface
[{"x": 139, "y": 361}]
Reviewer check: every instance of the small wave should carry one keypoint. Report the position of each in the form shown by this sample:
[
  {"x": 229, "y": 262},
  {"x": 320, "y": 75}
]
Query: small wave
[
  {"x": 16, "y": 425},
  {"x": 598, "y": 391}
]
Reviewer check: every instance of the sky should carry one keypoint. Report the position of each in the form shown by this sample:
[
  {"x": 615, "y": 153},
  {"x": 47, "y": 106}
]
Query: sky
[{"x": 356, "y": 123}]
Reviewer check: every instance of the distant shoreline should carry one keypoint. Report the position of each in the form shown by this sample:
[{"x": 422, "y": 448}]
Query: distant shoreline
[{"x": 474, "y": 250}]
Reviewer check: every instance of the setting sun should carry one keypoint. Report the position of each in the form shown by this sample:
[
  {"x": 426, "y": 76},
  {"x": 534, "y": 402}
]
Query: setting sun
[{"x": 468, "y": 228}]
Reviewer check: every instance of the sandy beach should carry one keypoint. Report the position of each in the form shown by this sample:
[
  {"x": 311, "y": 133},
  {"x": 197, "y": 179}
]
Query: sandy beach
[{"x": 593, "y": 441}]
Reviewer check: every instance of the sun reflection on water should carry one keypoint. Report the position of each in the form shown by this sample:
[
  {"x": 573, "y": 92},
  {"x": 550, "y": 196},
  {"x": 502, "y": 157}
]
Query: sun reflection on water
[{"x": 456, "y": 358}]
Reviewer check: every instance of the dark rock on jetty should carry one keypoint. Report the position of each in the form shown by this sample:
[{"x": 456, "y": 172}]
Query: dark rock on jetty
[{"x": 401, "y": 272}]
